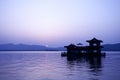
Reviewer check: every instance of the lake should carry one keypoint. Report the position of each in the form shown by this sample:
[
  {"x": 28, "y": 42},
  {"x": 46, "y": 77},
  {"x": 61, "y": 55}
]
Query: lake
[{"x": 49, "y": 65}]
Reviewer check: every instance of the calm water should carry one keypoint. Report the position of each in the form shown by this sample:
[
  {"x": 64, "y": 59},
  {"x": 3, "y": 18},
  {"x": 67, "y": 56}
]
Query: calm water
[{"x": 51, "y": 66}]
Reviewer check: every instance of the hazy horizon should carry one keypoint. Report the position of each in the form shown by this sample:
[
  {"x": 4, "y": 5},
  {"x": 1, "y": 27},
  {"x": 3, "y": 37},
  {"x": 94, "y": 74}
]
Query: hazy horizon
[
  {"x": 53, "y": 46},
  {"x": 57, "y": 23}
]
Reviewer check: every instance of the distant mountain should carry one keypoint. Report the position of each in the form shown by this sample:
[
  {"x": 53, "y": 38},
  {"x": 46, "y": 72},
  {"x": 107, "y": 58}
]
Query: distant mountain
[
  {"x": 111, "y": 47},
  {"x": 19, "y": 47},
  {"x": 25, "y": 47}
]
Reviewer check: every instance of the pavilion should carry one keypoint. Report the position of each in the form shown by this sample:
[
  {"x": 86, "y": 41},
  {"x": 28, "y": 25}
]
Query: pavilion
[{"x": 93, "y": 49}]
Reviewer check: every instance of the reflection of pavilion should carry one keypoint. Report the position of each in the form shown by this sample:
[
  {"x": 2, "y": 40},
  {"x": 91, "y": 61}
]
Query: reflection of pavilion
[
  {"x": 93, "y": 63},
  {"x": 90, "y": 66},
  {"x": 94, "y": 49}
]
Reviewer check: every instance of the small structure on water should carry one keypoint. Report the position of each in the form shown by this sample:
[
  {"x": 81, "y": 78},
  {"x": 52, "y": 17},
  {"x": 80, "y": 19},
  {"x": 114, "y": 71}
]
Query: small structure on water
[{"x": 93, "y": 49}]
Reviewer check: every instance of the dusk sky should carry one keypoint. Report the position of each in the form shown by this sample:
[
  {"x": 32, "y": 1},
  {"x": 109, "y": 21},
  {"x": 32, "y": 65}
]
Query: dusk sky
[{"x": 59, "y": 22}]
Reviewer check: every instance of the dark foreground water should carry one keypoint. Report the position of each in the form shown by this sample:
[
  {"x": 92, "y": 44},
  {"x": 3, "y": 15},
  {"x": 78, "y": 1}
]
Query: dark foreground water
[{"x": 51, "y": 66}]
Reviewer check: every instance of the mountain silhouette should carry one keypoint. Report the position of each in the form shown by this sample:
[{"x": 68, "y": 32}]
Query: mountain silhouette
[
  {"x": 12, "y": 47},
  {"x": 111, "y": 47},
  {"x": 26, "y": 47}
]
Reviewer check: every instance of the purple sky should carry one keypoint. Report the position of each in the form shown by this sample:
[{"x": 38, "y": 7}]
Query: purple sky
[{"x": 59, "y": 22}]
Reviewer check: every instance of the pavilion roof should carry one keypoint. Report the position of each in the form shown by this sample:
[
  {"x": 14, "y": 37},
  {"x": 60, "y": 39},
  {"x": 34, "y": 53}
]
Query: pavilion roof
[{"x": 94, "y": 40}]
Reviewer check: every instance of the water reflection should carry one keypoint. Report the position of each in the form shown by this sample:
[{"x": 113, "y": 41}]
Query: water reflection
[
  {"x": 93, "y": 62},
  {"x": 92, "y": 65}
]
